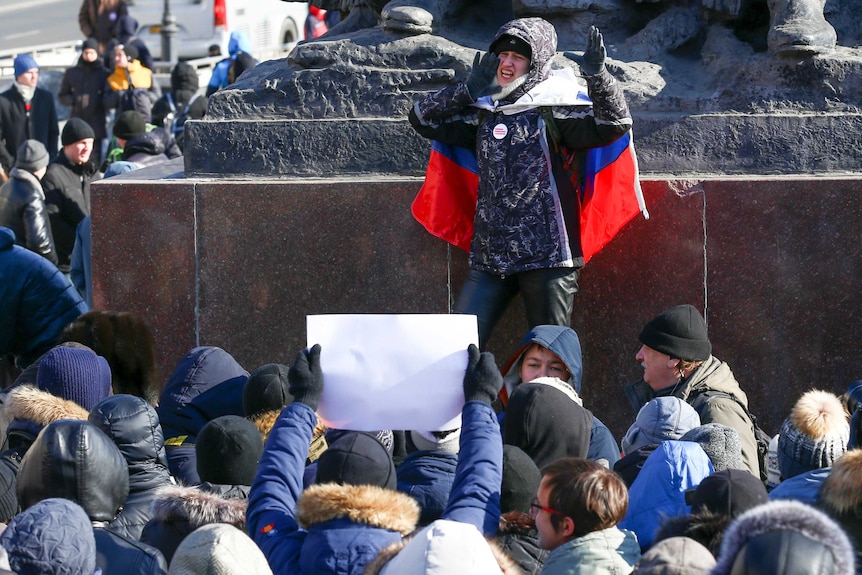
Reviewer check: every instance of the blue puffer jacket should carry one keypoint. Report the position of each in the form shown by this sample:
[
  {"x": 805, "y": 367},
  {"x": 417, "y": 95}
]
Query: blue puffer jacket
[
  {"x": 347, "y": 525},
  {"x": 804, "y": 487},
  {"x": 659, "y": 490},
  {"x": 36, "y": 302},
  {"x": 207, "y": 383},
  {"x": 564, "y": 342},
  {"x": 427, "y": 477}
]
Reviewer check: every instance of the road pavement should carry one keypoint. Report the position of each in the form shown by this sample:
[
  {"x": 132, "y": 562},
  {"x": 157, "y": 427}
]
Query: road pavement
[{"x": 32, "y": 22}]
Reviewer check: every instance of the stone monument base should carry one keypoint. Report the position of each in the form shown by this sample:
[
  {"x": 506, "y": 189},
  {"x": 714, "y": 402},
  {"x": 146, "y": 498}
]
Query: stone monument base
[{"x": 239, "y": 263}]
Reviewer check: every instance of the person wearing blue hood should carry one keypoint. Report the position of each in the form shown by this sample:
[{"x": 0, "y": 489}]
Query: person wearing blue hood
[
  {"x": 207, "y": 383},
  {"x": 239, "y": 43},
  {"x": 526, "y": 231},
  {"x": 553, "y": 351}
]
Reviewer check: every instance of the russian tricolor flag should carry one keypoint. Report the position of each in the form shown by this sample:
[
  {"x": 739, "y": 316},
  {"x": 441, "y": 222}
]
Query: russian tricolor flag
[{"x": 612, "y": 196}]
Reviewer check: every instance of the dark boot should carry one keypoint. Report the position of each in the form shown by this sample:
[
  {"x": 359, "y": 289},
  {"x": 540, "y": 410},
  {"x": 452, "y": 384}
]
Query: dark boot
[{"x": 798, "y": 26}]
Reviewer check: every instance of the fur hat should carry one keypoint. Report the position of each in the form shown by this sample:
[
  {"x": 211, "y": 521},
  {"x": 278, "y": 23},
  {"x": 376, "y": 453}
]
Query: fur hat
[
  {"x": 731, "y": 492},
  {"x": 658, "y": 420},
  {"x": 54, "y": 537},
  {"x": 130, "y": 124},
  {"x": 841, "y": 493},
  {"x": 24, "y": 63},
  {"x": 218, "y": 549},
  {"x": 78, "y": 375},
  {"x": 784, "y": 537},
  {"x": 679, "y": 332},
  {"x": 227, "y": 451},
  {"x": 521, "y": 479},
  {"x": 721, "y": 443},
  {"x": 356, "y": 458},
  {"x": 449, "y": 441},
  {"x": 814, "y": 435},
  {"x": 675, "y": 556},
  {"x": 266, "y": 390},
  {"x": 76, "y": 130},
  {"x": 31, "y": 156}
]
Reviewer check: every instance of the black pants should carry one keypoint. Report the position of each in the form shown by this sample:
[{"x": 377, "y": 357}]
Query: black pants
[{"x": 548, "y": 297}]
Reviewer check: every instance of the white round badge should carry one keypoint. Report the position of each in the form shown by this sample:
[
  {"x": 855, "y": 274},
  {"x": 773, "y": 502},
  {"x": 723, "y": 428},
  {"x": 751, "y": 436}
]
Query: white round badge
[{"x": 500, "y": 131}]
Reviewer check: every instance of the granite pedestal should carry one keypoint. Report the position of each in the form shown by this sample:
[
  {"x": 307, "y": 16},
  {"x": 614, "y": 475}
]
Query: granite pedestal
[{"x": 239, "y": 263}]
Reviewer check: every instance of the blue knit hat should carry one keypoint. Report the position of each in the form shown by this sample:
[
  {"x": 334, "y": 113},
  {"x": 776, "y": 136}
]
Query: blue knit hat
[
  {"x": 75, "y": 374},
  {"x": 24, "y": 62}
]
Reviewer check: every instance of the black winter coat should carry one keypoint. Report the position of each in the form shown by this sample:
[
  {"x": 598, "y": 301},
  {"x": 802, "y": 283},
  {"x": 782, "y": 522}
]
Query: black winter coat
[
  {"x": 36, "y": 302},
  {"x": 15, "y": 126},
  {"x": 67, "y": 197},
  {"x": 24, "y": 211},
  {"x": 133, "y": 424},
  {"x": 82, "y": 89}
]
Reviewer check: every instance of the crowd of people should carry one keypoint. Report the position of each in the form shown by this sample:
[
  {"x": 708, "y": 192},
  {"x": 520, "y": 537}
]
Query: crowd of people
[{"x": 217, "y": 470}]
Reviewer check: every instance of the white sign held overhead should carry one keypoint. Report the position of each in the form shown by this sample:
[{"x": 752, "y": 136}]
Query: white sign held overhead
[{"x": 392, "y": 371}]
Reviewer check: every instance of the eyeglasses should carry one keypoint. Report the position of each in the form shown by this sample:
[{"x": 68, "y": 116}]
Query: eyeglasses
[{"x": 535, "y": 507}]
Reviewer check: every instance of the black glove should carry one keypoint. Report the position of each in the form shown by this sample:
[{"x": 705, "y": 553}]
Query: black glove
[
  {"x": 305, "y": 379},
  {"x": 483, "y": 76},
  {"x": 482, "y": 380},
  {"x": 593, "y": 61}
]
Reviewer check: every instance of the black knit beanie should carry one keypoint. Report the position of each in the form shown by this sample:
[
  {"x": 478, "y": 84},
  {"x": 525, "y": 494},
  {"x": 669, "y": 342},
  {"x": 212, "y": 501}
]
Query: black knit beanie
[
  {"x": 521, "y": 479},
  {"x": 227, "y": 450},
  {"x": 266, "y": 390},
  {"x": 356, "y": 458},
  {"x": 76, "y": 130},
  {"x": 510, "y": 43},
  {"x": 130, "y": 124},
  {"x": 679, "y": 332},
  {"x": 131, "y": 52}
]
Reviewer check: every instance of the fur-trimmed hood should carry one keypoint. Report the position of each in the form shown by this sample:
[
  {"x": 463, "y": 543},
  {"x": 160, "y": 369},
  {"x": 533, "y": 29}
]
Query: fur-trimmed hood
[
  {"x": 365, "y": 504},
  {"x": 443, "y": 547},
  {"x": 28, "y": 403},
  {"x": 197, "y": 507},
  {"x": 793, "y": 519}
]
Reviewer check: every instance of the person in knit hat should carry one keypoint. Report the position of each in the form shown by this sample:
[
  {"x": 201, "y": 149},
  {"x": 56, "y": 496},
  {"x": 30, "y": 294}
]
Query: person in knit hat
[
  {"x": 661, "y": 419},
  {"x": 22, "y": 201},
  {"x": 344, "y": 524},
  {"x": 131, "y": 75},
  {"x": 126, "y": 342},
  {"x": 53, "y": 537},
  {"x": 675, "y": 556},
  {"x": 715, "y": 502},
  {"x": 67, "y": 186},
  {"x": 218, "y": 549},
  {"x": 69, "y": 382},
  {"x": 676, "y": 356},
  {"x": 721, "y": 443},
  {"x": 517, "y": 535},
  {"x": 812, "y": 438},
  {"x": 227, "y": 450},
  {"x": 784, "y": 538},
  {"x": 26, "y": 112}
]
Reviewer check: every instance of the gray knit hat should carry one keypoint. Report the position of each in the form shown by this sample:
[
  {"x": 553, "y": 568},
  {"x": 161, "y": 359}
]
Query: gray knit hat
[
  {"x": 675, "y": 556},
  {"x": 679, "y": 332},
  {"x": 658, "y": 420},
  {"x": 814, "y": 435},
  {"x": 721, "y": 443},
  {"x": 31, "y": 156},
  {"x": 219, "y": 549}
]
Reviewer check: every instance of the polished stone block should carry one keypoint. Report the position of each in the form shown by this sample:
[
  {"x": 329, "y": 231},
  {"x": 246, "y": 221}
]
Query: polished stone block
[{"x": 239, "y": 263}]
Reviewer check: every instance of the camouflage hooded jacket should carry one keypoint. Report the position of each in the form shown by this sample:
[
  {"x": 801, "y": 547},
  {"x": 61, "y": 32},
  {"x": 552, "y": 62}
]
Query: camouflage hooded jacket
[{"x": 527, "y": 215}]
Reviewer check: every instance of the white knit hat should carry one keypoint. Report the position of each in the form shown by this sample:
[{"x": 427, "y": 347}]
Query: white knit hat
[{"x": 218, "y": 549}]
